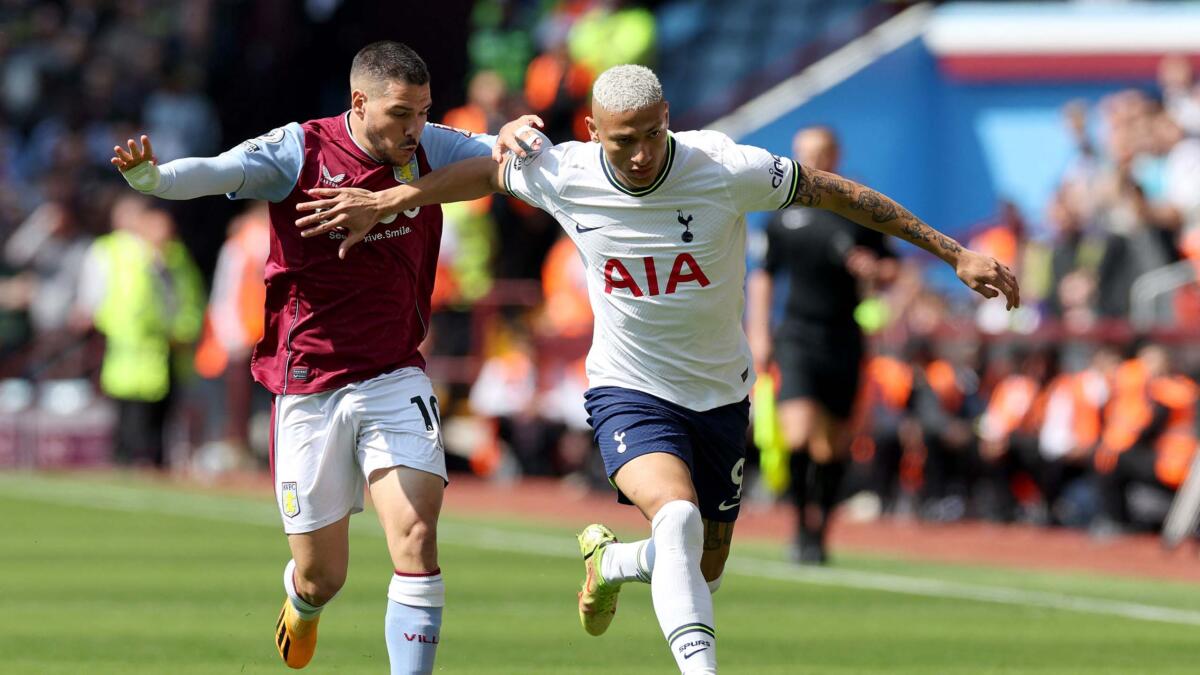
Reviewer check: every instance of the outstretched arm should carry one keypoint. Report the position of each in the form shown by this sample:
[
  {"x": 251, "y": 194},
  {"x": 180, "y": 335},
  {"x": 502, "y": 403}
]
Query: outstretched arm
[
  {"x": 872, "y": 209},
  {"x": 180, "y": 179},
  {"x": 357, "y": 210}
]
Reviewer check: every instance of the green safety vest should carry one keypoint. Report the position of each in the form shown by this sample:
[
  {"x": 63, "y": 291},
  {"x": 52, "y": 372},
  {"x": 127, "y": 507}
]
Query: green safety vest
[{"x": 140, "y": 320}]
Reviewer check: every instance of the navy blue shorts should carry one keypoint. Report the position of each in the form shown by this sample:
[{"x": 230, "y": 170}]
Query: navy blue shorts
[{"x": 630, "y": 424}]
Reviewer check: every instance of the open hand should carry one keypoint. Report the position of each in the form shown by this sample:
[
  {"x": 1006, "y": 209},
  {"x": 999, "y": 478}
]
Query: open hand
[
  {"x": 127, "y": 159},
  {"x": 987, "y": 277}
]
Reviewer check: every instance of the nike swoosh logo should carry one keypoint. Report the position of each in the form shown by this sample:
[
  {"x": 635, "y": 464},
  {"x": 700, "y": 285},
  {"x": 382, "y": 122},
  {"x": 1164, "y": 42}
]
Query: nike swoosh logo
[
  {"x": 581, "y": 229},
  {"x": 688, "y": 656},
  {"x": 725, "y": 507}
]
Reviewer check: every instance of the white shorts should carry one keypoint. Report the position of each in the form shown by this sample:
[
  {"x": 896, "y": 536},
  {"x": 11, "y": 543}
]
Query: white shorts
[{"x": 326, "y": 445}]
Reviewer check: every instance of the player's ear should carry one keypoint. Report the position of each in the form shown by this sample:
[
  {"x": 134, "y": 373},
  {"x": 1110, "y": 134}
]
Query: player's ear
[
  {"x": 593, "y": 132},
  {"x": 358, "y": 102}
]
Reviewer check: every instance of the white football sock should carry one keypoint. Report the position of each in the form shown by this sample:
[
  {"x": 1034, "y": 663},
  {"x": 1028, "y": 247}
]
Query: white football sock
[
  {"x": 681, "y": 597},
  {"x": 304, "y": 608},
  {"x": 627, "y": 562}
]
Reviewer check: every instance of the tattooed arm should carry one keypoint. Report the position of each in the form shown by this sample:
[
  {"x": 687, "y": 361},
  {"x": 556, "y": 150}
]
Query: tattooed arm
[{"x": 877, "y": 211}]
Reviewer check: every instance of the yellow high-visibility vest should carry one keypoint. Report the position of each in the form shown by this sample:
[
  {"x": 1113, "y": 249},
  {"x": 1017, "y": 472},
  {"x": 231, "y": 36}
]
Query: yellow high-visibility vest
[{"x": 140, "y": 319}]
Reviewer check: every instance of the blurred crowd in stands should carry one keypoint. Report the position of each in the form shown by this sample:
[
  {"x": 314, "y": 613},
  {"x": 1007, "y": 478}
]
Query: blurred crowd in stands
[
  {"x": 1048, "y": 414},
  {"x": 1080, "y": 408}
]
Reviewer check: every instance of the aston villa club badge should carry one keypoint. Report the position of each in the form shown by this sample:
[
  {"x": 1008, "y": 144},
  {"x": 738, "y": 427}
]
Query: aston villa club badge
[
  {"x": 291, "y": 501},
  {"x": 406, "y": 173}
]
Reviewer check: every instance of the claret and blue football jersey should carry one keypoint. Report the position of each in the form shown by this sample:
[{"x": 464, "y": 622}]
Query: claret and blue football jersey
[{"x": 330, "y": 322}]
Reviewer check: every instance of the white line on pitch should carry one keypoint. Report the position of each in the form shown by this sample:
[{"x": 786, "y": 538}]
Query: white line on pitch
[{"x": 255, "y": 512}]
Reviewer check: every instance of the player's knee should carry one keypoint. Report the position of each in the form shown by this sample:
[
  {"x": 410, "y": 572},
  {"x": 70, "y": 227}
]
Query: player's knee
[
  {"x": 667, "y": 497},
  {"x": 418, "y": 541},
  {"x": 677, "y": 525},
  {"x": 421, "y": 533},
  {"x": 317, "y": 583}
]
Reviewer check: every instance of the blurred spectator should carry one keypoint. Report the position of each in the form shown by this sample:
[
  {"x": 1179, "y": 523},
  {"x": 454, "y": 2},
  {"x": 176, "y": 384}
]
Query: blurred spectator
[
  {"x": 1006, "y": 240},
  {"x": 505, "y": 392},
  {"x": 1008, "y": 435},
  {"x": 180, "y": 119},
  {"x": 1133, "y": 245},
  {"x": 486, "y": 109},
  {"x": 566, "y": 312},
  {"x": 561, "y": 402},
  {"x": 559, "y": 90},
  {"x": 233, "y": 325},
  {"x": 1074, "y": 256},
  {"x": 50, "y": 249},
  {"x": 142, "y": 292},
  {"x": 611, "y": 34},
  {"x": 468, "y": 239},
  {"x": 1069, "y": 417},
  {"x": 500, "y": 38},
  {"x": 46, "y": 252},
  {"x": 1149, "y": 436},
  {"x": 1180, "y": 208},
  {"x": 1181, "y": 96},
  {"x": 940, "y": 429},
  {"x": 887, "y": 394}
]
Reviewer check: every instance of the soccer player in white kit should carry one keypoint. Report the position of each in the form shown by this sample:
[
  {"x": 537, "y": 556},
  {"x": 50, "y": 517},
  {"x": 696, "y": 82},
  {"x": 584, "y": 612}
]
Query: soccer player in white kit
[{"x": 659, "y": 221}]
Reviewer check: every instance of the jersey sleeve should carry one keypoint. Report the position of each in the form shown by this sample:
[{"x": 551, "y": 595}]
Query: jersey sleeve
[
  {"x": 533, "y": 179},
  {"x": 759, "y": 180},
  {"x": 271, "y": 163},
  {"x": 447, "y": 145}
]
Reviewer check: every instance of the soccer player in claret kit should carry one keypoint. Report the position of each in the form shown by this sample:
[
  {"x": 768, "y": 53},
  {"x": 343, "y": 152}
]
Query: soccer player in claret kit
[
  {"x": 658, "y": 219},
  {"x": 352, "y": 402}
]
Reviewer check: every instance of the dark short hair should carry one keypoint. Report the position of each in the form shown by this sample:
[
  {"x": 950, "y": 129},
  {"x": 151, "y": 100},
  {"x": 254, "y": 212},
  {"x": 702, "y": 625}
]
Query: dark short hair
[{"x": 387, "y": 60}]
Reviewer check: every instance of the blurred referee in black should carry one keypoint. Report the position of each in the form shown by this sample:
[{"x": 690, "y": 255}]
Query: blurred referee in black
[{"x": 823, "y": 261}]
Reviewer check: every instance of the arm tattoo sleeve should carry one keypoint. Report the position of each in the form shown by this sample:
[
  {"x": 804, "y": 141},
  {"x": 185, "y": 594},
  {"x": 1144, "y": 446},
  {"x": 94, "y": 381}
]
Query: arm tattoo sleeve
[{"x": 870, "y": 209}]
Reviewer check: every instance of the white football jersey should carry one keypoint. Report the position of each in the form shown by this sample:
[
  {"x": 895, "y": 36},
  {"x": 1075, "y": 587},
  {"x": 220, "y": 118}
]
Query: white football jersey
[{"x": 666, "y": 264}]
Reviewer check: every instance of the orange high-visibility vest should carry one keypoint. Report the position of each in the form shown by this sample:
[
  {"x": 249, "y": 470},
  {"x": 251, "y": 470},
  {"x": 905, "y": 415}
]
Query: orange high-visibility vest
[
  {"x": 1127, "y": 412},
  {"x": 890, "y": 380},
  {"x": 567, "y": 307},
  {"x": 1085, "y": 410},
  {"x": 547, "y": 75},
  {"x": 1011, "y": 401},
  {"x": 1175, "y": 447},
  {"x": 246, "y": 293},
  {"x": 1000, "y": 242},
  {"x": 944, "y": 381}
]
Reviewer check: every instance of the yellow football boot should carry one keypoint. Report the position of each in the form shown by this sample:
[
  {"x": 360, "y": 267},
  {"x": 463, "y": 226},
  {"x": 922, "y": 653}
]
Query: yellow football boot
[
  {"x": 295, "y": 638},
  {"x": 597, "y": 599}
]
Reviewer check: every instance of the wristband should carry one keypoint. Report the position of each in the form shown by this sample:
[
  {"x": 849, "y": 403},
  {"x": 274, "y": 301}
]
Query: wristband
[
  {"x": 144, "y": 177},
  {"x": 521, "y": 141}
]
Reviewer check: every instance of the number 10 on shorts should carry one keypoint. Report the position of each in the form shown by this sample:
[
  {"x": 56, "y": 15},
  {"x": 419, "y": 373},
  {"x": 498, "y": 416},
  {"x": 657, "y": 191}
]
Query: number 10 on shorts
[{"x": 432, "y": 422}]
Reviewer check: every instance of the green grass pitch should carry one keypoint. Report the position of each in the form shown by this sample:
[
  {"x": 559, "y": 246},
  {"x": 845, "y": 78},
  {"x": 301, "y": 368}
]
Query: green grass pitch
[{"x": 121, "y": 576}]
